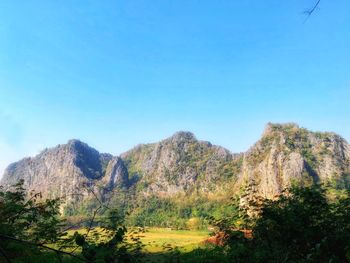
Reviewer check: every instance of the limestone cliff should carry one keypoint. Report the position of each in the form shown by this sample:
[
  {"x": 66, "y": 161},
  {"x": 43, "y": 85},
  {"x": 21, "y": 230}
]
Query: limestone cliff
[
  {"x": 67, "y": 171},
  {"x": 180, "y": 163},
  {"x": 288, "y": 154}
]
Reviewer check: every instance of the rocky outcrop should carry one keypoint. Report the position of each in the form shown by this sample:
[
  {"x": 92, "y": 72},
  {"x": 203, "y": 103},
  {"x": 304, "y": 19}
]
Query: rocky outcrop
[
  {"x": 116, "y": 174},
  {"x": 287, "y": 154},
  {"x": 180, "y": 163},
  {"x": 68, "y": 171}
]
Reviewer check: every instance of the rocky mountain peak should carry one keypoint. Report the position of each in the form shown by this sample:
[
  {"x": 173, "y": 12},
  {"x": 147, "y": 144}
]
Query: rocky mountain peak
[
  {"x": 288, "y": 154},
  {"x": 273, "y": 128},
  {"x": 178, "y": 163},
  {"x": 182, "y": 136},
  {"x": 66, "y": 170},
  {"x": 73, "y": 142}
]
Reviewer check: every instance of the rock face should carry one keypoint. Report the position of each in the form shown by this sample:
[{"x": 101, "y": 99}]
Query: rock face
[
  {"x": 180, "y": 163},
  {"x": 116, "y": 174},
  {"x": 285, "y": 155},
  {"x": 288, "y": 154},
  {"x": 67, "y": 171}
]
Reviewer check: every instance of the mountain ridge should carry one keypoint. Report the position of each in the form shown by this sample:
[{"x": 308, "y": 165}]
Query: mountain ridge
[{"x": 183, "y": 165}]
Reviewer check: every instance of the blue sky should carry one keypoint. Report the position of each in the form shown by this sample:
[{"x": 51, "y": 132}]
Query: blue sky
[{"x": 118, "y": 73}]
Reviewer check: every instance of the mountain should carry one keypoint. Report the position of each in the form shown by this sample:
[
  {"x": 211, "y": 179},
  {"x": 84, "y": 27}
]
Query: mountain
[
  {"x": 180, "y": 163},
  {"x": 288, "y": 154},
  {"x": 66, "y": 170},
  {"x": 184, "y": 166}
]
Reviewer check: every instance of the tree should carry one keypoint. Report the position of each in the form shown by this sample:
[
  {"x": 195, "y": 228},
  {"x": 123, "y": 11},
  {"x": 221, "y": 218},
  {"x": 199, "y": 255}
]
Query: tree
[
  {"x": 301, "y": 225},
  {"x": 32, "y": 230},
  {"x": 27, "y": 224}
]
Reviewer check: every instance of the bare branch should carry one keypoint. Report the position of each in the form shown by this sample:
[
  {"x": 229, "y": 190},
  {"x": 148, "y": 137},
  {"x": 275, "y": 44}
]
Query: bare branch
[
  {"x": 75, "y": 225},
  {"x": 96, "y": 197},
  {"x": 92, "y": 221},
  {"x": 310, "y": 11}
]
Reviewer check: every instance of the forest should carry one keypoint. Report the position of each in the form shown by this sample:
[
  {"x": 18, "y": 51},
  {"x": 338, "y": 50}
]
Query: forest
[{"x": 304, "y": 224}]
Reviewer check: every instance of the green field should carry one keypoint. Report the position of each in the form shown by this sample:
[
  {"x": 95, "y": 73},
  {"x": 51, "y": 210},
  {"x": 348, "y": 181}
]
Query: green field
[
  {"x": 163, "y": 239},
  {"x": 156, "y": 240},
  {"x": 161, "y": 244}
]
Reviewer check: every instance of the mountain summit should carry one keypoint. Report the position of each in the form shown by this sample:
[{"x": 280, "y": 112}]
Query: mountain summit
[
  {"x": 289, "y": 154},
  {"x": 63, "y": 171}
]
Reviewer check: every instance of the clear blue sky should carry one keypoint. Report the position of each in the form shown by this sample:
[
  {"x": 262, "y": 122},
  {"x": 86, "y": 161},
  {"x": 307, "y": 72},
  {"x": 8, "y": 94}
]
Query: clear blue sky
[{"x": 118, "y": 73}]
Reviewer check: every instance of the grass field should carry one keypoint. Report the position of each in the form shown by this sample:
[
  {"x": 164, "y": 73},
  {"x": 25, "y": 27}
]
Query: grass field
[
  {"x": 158, "y": 240},
  {"x": 162, "y": 244},
  {"x": 162, "y": 239}
]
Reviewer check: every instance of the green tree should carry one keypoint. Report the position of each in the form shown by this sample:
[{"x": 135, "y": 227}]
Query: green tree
[
  {"x": 30, "y": 226},
  {"x": 27, "y": 224},
  {"x": 302, "y": 225}
]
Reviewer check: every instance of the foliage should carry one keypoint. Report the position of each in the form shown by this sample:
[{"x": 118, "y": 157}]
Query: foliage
[
  {"x": 302, "y": 225},
  {"x": 102, "y": 244},
  {"x": 32, "y": 229},
  {"x": 32, "y": 220},
  {"x": 174, "y": 212}
]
